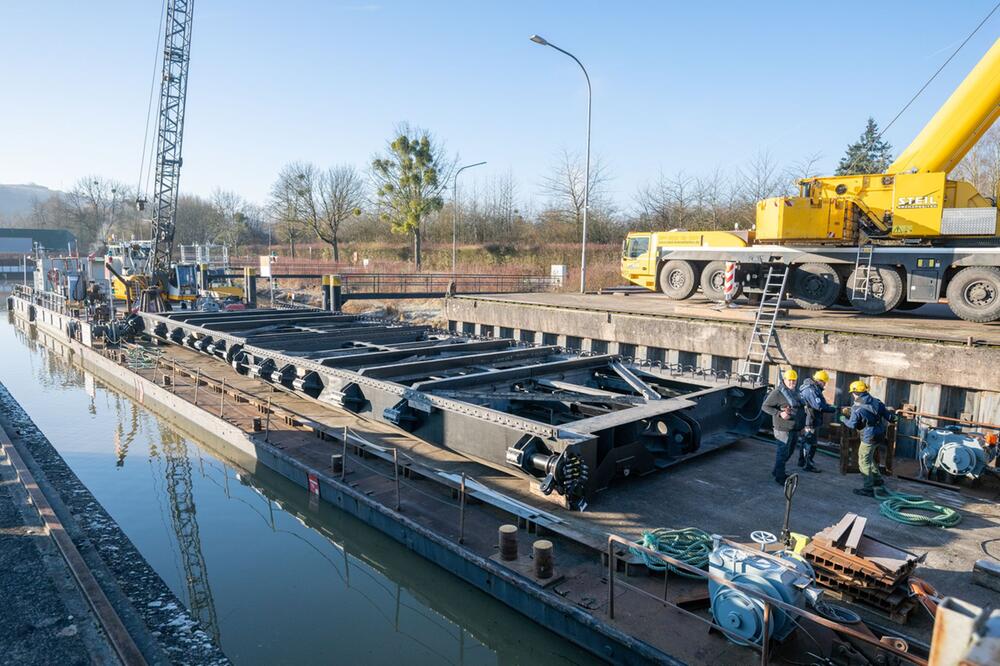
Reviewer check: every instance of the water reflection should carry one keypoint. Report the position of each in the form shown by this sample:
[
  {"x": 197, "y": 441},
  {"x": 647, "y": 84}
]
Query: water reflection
[{"x": 277, "y": 578}]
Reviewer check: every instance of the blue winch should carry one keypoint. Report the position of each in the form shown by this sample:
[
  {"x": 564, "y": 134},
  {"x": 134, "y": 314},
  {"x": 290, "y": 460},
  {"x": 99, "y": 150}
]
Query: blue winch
[
  {"x": 957, "y": 453},
  {"x": 781, "y": 575}
]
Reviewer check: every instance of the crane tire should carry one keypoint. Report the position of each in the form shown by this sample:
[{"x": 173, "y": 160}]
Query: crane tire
[
  {"x": 815, "y": 286},
  {"x": 885, "y": 291},
  {"x": 677, "y": 279},
  {"x": 713, "y": 278},
  {"x": 974, "y": 293}
]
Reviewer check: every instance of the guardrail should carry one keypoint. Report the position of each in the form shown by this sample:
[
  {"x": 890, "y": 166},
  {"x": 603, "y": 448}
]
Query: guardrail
[
  {"x": 45, "y": 299},
  {"x": 357, "y": 284},
  {"x": 614, "y": 554}
]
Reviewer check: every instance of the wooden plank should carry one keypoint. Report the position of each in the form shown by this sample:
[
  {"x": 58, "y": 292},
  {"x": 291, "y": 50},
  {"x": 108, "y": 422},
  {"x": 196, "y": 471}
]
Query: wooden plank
[
  {"x": 837, "y": 531},
  {"x": 854, "y": 538}
]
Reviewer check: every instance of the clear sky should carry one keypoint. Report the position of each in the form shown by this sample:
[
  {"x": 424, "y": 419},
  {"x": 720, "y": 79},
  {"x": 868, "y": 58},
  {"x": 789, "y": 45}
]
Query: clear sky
[{"x": 677, "y": 85}]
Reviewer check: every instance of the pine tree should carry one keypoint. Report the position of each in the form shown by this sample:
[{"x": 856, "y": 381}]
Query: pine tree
[{"x": 869, "y": 154}]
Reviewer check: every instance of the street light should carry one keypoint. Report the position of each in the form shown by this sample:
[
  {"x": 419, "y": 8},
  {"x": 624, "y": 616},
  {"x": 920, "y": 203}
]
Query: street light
[
  {"x": 454, "y": 219},
  {"x": 586, "y": 187}
]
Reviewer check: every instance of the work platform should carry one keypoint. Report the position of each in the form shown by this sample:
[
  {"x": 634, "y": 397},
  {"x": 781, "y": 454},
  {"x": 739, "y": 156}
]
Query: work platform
[
  {"x": 940, "y": 364},
  {"x": 727, "y": 491}
]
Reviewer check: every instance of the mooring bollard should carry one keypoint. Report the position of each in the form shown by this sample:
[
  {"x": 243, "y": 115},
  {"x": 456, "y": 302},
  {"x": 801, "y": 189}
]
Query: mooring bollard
[
  {"x": 461, "y": 511},
  {"x": 541, "y": 550},
  {"x": 508, "y": 542},
  {"x": 166, "y": 379},
  {"x": 257, "y": 425},
  {"x": 336, "y": 463}
]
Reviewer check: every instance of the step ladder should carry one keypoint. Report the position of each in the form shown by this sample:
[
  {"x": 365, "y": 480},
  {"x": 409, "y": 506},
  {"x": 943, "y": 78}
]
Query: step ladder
[
  {"x": 861, "y": 284},
  {"x": 762, "y": 339}
]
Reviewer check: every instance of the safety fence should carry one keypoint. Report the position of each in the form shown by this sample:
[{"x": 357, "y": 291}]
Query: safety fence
[
  {"x": 619, "y": 548},
  {"x": 356, "y": 284},
  {"x": 45, "y": 299}
]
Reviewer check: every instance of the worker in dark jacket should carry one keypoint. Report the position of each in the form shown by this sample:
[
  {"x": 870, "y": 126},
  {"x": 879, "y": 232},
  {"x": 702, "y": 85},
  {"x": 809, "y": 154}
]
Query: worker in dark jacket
[
  {"x": 868, "y": 416},
  {"x": 815, "y": 405},
  {"x": 784, "y": 406}
]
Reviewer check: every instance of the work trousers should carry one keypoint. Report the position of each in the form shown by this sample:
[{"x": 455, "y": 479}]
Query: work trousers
[
  {"x": 787, "y": 439},
  {"x": 808, "y": 450},
  {"x": 867, "y": 464}
]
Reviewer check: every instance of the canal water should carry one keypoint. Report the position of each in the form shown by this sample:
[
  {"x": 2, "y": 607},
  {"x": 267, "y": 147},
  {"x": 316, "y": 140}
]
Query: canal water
[{"x": 276, "y": 579}]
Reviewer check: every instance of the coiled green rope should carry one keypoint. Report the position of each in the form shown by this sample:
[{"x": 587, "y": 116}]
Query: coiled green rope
[
  {"x": 900, "y": 507},
  {"x": 689, "y": 545}
]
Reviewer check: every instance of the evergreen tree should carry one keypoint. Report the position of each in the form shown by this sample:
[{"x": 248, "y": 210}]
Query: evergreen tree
[{"x": 869, "y": 154}]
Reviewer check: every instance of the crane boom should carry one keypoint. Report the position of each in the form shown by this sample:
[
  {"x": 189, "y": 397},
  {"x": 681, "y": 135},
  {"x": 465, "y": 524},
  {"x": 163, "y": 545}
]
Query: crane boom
[
  {"x": 959, "y": 123},
  {"x": 170, "y": 131}
]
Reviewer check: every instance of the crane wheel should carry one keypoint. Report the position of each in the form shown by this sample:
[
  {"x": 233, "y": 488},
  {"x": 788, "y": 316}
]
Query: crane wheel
[
  {"x": 974, "y": 293},
  {"x": 677, "y": 279},
  {"x": 885, "y": 290},
  {"x": 815, "y": 286},
  {"x": 713, "y": 279}
]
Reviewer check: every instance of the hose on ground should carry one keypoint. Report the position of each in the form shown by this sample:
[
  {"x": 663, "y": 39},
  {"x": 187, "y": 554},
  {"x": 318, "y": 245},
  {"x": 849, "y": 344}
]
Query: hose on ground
[
  {"x": 900, "y": 507},
  {"x": 689, "y": 545}
]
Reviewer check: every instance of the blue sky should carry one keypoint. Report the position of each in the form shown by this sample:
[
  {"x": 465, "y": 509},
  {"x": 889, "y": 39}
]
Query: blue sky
[{"x": 677, "y": 85}]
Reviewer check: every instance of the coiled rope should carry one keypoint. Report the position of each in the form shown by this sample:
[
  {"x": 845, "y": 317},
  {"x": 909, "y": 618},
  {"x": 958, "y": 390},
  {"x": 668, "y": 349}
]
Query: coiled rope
[
  {"x": 689, "y": 545},
  {"x": 901, "y": 506}
]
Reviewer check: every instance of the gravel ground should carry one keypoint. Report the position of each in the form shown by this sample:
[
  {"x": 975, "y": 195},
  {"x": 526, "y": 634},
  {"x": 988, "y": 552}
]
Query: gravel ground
[{"x": 31, "y": 617}]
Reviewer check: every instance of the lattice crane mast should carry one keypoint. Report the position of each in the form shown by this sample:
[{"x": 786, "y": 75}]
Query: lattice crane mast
[{"x": 169, "y": 140}]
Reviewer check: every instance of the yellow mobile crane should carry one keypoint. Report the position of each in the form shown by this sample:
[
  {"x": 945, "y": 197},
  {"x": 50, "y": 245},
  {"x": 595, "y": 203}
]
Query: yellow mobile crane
[{"x": 893, "y": 240}]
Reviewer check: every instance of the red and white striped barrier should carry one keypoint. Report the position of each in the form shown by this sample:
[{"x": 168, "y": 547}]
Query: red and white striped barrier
[{"x": 729, "y": 284}]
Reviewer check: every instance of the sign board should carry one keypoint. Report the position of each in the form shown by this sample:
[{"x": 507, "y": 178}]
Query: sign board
[{"x": 265, "y": 265}]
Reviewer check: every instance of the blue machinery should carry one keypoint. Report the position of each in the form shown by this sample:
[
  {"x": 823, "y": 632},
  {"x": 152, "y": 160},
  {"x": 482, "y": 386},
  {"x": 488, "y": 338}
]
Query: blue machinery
[
  {"x": 779, "y": 575},
  {"x": 957, "y": 453}
]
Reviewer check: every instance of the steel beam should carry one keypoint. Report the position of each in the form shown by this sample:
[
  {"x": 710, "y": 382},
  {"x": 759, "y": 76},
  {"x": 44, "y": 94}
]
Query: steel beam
[
  {"x": 511, "y": 375},
  {"x": 429, "y": 367}
]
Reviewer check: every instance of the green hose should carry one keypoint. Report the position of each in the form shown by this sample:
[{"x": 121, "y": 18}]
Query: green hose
[
  {"x": 689, "y": 545},
  {"x": 900, "y": 507}
]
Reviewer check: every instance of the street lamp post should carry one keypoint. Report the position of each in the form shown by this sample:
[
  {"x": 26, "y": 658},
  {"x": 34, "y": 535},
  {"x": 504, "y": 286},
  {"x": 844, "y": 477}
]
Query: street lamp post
[
  {"x": 586, "y": 187},
  {"x": 454, "y": 218}
]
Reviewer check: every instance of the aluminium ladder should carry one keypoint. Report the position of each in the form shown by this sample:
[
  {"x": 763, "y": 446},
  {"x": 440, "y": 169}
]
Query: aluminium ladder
[
  {"x": 862, "y": 275},
  {"x": 762, "y": 338}
]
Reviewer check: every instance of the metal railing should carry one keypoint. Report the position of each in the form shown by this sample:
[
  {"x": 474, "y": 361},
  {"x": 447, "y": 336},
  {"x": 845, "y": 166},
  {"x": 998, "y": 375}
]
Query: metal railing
[
  {"x": 770, "y": 604},
  {"x": 460, "y": 283},
  {"x": 46, "y": 299}
]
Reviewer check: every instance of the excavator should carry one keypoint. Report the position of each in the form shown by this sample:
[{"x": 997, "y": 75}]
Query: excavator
[{"x": 878, "y": 242}]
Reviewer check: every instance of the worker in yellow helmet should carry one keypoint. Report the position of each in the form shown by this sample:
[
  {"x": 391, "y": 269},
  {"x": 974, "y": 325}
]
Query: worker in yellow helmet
[
  {"x": 788, "y": 416},
  {"x": 868, "y": 416},
  {"x": 815, "y": 404}
]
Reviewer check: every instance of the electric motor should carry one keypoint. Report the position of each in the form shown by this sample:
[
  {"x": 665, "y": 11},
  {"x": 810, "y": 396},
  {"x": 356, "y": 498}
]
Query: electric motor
[
  {"x": 781, "y": 576},
  {"x": 955, "y": 452}
]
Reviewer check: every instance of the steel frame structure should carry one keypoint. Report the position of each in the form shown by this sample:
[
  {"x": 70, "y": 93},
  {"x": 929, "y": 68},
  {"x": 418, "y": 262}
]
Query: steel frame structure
[{"x": 573, "y": 423}]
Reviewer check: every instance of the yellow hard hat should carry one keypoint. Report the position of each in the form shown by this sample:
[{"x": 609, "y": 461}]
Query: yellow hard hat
[
  {"x": 790, "y": 374},
  {"x": 858, "y": 387},
  {"x": 821, "y": 376}
]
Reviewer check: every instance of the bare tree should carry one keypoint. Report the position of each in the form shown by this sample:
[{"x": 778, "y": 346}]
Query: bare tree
[
  {"x": 290, "y": 202},
  {"x": 565, "y": 186},
  {"x": 981, "y": 166},
  {"x": 229, "y": 218},
  {"x": 337, "y": 195}
]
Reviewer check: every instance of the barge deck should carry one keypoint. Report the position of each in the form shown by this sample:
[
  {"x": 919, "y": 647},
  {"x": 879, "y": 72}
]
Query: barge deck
[{"x": 727, "y": 492}]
